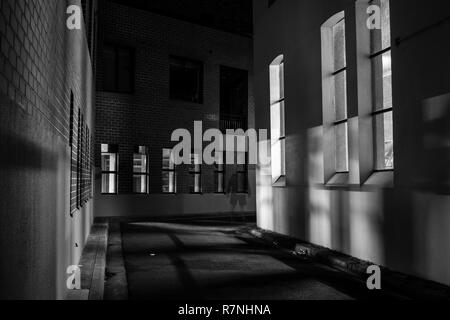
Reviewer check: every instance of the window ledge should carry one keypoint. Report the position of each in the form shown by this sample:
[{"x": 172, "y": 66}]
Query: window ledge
[
  {"x": 339, "y": 180},
  {"x": 383, "y": 179},
  {"x": 280, "y": 183}
]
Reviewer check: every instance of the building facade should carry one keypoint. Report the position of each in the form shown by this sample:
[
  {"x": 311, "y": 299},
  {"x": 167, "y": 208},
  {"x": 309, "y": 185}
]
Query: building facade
[
  {"x": 359, "y": 117},
  {"x": 46, "y": 121},
  {"x": 157, "y": 74}
]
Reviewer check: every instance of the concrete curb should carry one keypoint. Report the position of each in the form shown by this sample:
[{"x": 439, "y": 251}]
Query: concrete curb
[
  {"x": 93, "y": 265},
  {"x": 406, "y": 285}
]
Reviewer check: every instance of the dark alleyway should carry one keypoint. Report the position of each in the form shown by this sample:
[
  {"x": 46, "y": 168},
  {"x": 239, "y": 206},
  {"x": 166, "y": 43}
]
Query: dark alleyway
[{"x": 216, "y": 260}]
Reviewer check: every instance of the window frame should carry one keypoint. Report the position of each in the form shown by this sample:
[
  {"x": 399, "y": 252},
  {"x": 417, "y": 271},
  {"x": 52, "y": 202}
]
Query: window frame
[
  {"x": 277, "y": 89},
  {"x": 220, "y": 170},
  {"x": 344, "y": 121},
  {"x": 195, "y": 170},
  {"x": 132, "y": 52},
  {"x": 201, "y": 80},
  {"x": 168, "y": 170},
  {"x": 142, "y": 151},
  {"x": 110, "y": 149},
  {"x": 333, "y": 175},
  {"x": 383, "y": 111}
]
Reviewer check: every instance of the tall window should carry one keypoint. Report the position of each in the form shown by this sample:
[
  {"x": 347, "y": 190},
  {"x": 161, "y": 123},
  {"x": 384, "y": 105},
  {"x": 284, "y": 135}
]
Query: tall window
[
  {"x": 340, "y": 97},
  {"x": 382, "y": 90},
  {"x": 140, "y": 170},
  {"x": 186, "y": 80},
  {"x": 277, "y": 111},
  {"x": 110, "y": 169},
  {"x": 233, "y": 98},
  {"x": 195, "y": 172},
  {"x": 169, "y": 176},
  {"x": 118, "y": 69},
  {"x": 334, "y": 83}
]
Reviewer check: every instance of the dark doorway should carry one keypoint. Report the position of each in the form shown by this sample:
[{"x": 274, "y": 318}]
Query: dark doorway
[{"x": 233, "y": 98}]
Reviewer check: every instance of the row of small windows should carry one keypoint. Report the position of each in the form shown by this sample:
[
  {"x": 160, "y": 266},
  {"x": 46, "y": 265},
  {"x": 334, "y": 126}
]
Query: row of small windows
[
  {"x": 335, "y": 97},
  {"x": 141, "y": 173},
  {"x": 277, "y": 121},
  {"x": 382, "y": 90}
]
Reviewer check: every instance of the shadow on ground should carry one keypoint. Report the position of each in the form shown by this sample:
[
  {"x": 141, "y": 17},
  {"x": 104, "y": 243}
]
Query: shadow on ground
[{"x": 214, "y": 260}]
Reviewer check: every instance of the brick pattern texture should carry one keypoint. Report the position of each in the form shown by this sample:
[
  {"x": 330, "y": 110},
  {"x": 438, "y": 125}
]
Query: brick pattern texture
[
  {"x": 148, "y": 117},
  {"x": 43, "y": 67}
]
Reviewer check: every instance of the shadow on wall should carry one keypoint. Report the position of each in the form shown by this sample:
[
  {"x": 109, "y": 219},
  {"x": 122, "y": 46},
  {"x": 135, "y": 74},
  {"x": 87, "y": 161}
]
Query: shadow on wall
[
  {"x": 435, "y": 146},
  {"x": 403, "y": 228}
]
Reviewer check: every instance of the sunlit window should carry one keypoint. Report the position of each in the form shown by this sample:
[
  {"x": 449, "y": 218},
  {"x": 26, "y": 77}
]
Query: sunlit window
[
  {"x": 277, "y": 116},
  {"x": 140, "y": 170},
  {"x": 339, "y": 97},
  {"x": 382, "y": 90},
  {"x": 110, "y": 168},
  {"x": 169, "y": 176},
  {"x": 195, "y": 172}
]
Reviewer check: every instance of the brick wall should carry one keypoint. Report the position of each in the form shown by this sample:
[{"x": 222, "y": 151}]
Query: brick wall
[
  {"x": 46, "y": 150},
  {"x": 148, "y": 117}
]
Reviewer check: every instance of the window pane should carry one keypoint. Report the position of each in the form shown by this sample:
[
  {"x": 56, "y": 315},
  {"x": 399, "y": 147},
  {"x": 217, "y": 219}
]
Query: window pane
[
  {"x": 169, "y": 182},
  {"x": 277, "y": 121},
  {"x": 382, "y": 81},
  {"x": 339, "y": 45},
  {"x": 278, "y": 160},
  {"x": 168, "y": 162},
  {"x": 109, "y": 162},
  {"x": 219, "y": 182},
  {"x": 140, "y": 163},
  {"x": 109, "y": 183},
  {"x": 341, "y": 132},
  {"x": 281, "y": 79},
  {"x": 140, "y": 184},
  {"x": 234, "y": 96},
  {"x": 276, "y": 82},
  {"x": 340, "y": 96},
  {"x": 195, "y": 184},
  {"x": 384, "y": 148},
  {"x": 381, "y": 39}
]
